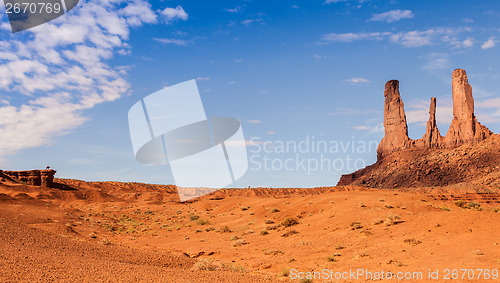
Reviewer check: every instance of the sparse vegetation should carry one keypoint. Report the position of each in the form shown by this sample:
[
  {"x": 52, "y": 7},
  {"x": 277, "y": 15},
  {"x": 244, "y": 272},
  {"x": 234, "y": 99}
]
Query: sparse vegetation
[
  {"x": 240, "y": 242},
  {"x": 289, "y": 233},
  {"x": 468, "y": 205},
  {"x": 393, "y": 220},
  {"x": 444, "y": 208},
  {"x": 339, "y": 247},
  {"x": 274, "y": 210},
  {"x": 273, "y": 252},
  {"x": 194, "y": 217},
  {"x": 225, "y": 229},
  {"x": 202, "y": 222},
  {"x": 205, "y": 264},
  {"x": 285, "y": 272},
  {"x": 269, "y": 221},
  {"x": 356, "y": 225},
  {"x": 264, "y": 232},
  {"x": 332, "y": 258},
  {"x": 412, "y": 242},
  {"x": 289, "y": 221},
  {"x": 243, "y": 208}
]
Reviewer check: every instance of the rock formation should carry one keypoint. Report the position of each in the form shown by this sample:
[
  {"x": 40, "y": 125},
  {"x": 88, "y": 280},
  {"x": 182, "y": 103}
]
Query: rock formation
[
  {"x": 464, "y": 126},
  {"x": 43, "y": 178},
  {"x": 396, "y": 129},
  {"x": 464, "y": 129}
]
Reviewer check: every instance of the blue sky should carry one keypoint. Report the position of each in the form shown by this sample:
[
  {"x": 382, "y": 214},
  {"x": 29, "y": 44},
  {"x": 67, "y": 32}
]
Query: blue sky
[{"x": 290, "y": 71}]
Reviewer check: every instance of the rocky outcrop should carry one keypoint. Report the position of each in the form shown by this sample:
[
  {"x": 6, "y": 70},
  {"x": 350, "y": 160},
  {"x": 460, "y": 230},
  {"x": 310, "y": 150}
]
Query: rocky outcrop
[
  {"x": 396, "y": 129},
  {"x": 464, "y": 129},
  {"x": 43, "y": 178}
]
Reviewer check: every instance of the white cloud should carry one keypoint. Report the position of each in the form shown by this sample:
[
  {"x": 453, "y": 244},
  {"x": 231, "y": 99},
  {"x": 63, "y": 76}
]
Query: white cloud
[
  {"x": 61, "y": 68},
  {"x": 294, "y": 6},
  {"x": 357, "y": 81},
  {"x": 173, "y": 14},
  {"x": 271, "y": 132},
  {"x": 392, "y": 16},
  {"x": 489, "y": 43},
  {"x": 254, "y": 121},
  {"x": 238, "y": 60},
  {"x": 232, "y": 82},
  {"x": 250, "y": 21},
  {"x": 203, "y": 78},
  {"x": 468, "y": 42},
  {"x": 233, "y": 10},
  {"x": 179, "y": 42}
]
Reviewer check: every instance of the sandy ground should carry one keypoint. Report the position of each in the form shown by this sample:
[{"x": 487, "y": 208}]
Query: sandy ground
[{"x": 135, "y": 232}]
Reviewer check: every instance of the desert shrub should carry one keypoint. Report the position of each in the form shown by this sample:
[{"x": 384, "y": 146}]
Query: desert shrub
[
  {"x": 235, "y": 237},
  {"x": 473, "y": 205},
  {"x": 393, "y": 220},
  {"x": 331, "y": 258},
  {"x": 244, "y": 208},
  {"x": 285, "y": 272},
  {"x": 273, "y": 252},
  {"x": 202, "y": 222},
  {"x": 272, "y": 227},
  {"x": 339, "y": 247},
  {"x": 289, "y": 233},
  {"x": 289, "y": 221},
  {"x": 412, "y": 242},
  {"x": 444, "y": 208},
  {"x": 264, "y": 232},
  {"x": 460, "y": 203},
  {"x": 274, "y": 210},
  {"x": 225, "y": 229},
  {"x": 240, "y": 242},
  {"x": 356, "y": 225},
  {"x": 205, "y": 264},
  {"x": 269, "y": 221},
  {"x": 194, "y": 217}
]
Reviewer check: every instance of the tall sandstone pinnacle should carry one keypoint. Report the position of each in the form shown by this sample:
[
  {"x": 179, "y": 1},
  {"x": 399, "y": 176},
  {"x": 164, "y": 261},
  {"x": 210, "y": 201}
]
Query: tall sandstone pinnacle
[
  {"x": 396, "y": 129},
  {"x": 432, "y": 138},
  {"x": 464, "y": 127}
]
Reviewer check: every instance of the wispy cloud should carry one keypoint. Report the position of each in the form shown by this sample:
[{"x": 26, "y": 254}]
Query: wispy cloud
[
  {"x": 233, "y": 10},
  {"x": 174, "y": 41},
  {"x": 251, "y": 21},
  {"x": 338, "y": 1},
  {"x": 437, "y": 61},
  {"x": 489, "y": 43},
  {"x": 392, "y": 16},
  {"x": 253, "y": 121},
  {"x": 203, "y": 78},
  {"x": 416, "y": 38},
  {"x": 172, "y": 14},
  {"x": 238, "y": 60},
  {"x": 357, "y": 81}
]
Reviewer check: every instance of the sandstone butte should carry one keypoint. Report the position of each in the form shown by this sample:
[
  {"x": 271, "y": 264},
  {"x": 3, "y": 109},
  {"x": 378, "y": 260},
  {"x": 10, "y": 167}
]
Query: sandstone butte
[
  {"x": 464, "y": 129},
  {"x": 43, "y": 178}
]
